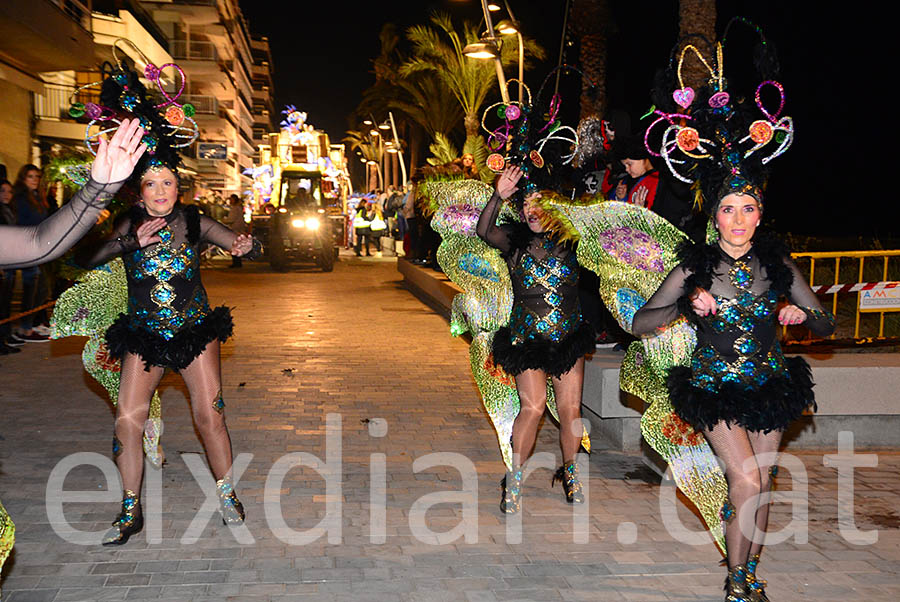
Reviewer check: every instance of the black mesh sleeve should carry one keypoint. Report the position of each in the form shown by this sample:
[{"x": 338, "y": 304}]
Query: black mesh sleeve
[
  {"x": 487, "y": 228},
  {"x": 25, "y": 246},
  {"x": 120, "y": 241},
  {"x": 662, "y": 307},
  {"x": 819, "y": 321}
]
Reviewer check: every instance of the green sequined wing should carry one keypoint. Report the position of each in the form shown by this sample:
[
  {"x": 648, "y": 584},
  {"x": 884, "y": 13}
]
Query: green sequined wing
[
  {"x": 486, "y": 300},
  {"x": 7, "y": 535},
  {"x": 87, "y": 309},
  {"x": 632, "y": 250}
]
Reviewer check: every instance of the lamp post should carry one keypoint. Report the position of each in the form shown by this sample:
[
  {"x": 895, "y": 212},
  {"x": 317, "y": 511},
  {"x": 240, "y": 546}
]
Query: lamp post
[
  {"x": 487, "y": 48},
  {"x": 399, "y": 147},
  {"x": 508, "y": 28}
]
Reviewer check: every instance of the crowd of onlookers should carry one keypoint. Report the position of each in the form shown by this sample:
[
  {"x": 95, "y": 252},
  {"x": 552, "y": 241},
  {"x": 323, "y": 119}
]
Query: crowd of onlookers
[{"x": 25, "y": 202}]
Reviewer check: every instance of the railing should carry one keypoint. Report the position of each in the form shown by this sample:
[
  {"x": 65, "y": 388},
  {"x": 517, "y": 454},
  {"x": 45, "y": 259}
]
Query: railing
[
  {"x": 56, "y": 99},
  {"x": 203, "y": 104},
  {"x": 194, "y": 50},
  {"x": 876, "y": 274}
]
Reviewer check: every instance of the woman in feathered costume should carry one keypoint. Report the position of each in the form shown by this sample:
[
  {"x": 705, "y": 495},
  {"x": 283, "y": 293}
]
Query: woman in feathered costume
[
  {"x": 168, "y": 323},
  {"x": 739, "y": 390}
]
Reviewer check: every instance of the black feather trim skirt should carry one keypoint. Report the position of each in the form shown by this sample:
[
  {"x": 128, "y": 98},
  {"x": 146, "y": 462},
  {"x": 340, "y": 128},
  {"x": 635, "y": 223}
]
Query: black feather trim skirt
[
  {"x": 178, "y": 352},
  {"x": 542, "y": 354},
  {"x": 772, "y": 407}
]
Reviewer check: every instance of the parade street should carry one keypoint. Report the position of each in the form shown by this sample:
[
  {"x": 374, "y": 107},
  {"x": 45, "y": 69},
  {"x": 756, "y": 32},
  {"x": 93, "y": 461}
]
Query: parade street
[{"x": 355, "y": 359}]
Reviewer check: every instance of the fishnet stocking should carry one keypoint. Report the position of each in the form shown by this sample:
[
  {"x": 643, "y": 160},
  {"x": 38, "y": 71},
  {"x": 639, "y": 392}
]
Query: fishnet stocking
[
  {"x": 762, "y": 444},
  {"x": 732, "y": 446},
  {"x": 204, "y": 381},
  {"x": 136, "y": 387}
]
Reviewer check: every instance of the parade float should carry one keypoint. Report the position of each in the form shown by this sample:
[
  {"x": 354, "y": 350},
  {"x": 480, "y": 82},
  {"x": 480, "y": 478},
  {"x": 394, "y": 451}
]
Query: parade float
[{"x": 299, "y": 194}]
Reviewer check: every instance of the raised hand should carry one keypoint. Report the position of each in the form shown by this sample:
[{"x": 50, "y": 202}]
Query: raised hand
[
  {"x": 116, "y": 158},
  {"x": 507, "y": 182},
  {"x": 242, "y": 245},
  {"x": 640, "y": 197},
  {"x": 146, "y": 232}
]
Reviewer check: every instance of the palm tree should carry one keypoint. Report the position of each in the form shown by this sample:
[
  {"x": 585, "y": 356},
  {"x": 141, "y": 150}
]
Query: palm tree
[
  {"x": 696, "y": 17},
  {"x": 371, "y": 150},
  {"x": 592, "y": 21},
  {"x": 438, "y": 50}
]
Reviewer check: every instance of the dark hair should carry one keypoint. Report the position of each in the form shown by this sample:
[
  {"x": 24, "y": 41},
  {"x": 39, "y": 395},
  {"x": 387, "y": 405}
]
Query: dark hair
[
  {"x": 235, "y": 199},
  {"x": 37, "y": 200}
]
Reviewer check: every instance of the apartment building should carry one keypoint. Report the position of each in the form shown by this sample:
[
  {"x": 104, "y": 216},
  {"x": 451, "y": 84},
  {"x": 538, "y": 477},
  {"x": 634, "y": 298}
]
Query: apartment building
[
  {"x": 229, "y": 83},
  {"x": 36, "y": 36}
]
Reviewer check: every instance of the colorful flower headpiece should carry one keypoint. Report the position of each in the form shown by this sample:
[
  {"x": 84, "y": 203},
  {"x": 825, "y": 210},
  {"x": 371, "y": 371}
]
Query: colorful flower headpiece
[
  {"x": 525, "y": 134},
  {"x": 168, "y": 125},
  {"x": 714, "y": 139}
]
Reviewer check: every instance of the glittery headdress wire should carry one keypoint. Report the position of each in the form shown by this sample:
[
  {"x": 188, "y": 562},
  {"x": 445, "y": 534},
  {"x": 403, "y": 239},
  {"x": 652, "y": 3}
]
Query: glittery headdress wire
[
  {"x": 168, "y": 125},
  {"x": 713, "y": 137},
  {"x": 531, "y": 136}
]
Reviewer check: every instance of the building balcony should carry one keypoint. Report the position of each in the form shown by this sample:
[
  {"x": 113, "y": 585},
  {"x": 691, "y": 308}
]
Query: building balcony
[
  {"x": 203, "y": 104},
  {"x": 194, "y": 50},
  {"x": 45, "y": 35}
]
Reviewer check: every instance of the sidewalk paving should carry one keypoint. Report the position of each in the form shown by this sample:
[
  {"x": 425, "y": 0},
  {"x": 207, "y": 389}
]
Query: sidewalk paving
[{"x": 356, "y": 343}]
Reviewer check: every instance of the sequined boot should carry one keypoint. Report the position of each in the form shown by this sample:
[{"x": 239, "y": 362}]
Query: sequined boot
[
  {"x": 129, "y": 521},
  {"x": 568, "y": 475},
  {"x": 511, "y": 485},
  {"x": 757, "y": 586},
  {"x": 230, "y": 507},
  {"x": 736, "y": 588}
]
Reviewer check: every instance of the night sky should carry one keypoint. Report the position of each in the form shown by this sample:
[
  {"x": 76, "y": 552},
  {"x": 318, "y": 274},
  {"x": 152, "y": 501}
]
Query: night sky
[{"x": 323, "y": 60}]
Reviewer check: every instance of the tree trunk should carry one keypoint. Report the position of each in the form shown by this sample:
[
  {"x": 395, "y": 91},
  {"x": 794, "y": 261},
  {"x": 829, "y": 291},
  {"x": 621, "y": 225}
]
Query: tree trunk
[
  {"x": 697, "y": 17},
  {"x": 472, "y": 124},
  {"x": 591, "y": 21}
]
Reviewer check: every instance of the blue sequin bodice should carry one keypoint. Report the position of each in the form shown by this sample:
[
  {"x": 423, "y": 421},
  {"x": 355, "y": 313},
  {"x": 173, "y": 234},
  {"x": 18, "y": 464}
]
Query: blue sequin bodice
[
  {"x": 545, "y": 280},
  {"x": 165, "y": 294}
]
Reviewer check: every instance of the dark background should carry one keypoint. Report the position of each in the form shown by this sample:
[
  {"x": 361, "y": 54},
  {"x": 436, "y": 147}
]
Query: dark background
[{"x": 835, "y": 179}]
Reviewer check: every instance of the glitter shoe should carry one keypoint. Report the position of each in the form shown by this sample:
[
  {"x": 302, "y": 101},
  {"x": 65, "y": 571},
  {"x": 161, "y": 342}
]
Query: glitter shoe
[
  {"x": 568, "y": 476},
  {"x": 230, "y": 507},
  {"x": 511, "y": 485},
  {"x": 736, "y": 588},
  {"x": 757, "y": 586},
  {"x": 129, "y": 521}
]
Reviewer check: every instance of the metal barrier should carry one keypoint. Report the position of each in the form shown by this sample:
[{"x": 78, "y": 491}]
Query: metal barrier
[{"x": 877, "y": 278}]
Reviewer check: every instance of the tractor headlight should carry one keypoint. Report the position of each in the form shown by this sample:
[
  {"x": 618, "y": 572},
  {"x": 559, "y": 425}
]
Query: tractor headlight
[
  {"x": 312, "y": 223},
  {"x": 297, "y": 223}
]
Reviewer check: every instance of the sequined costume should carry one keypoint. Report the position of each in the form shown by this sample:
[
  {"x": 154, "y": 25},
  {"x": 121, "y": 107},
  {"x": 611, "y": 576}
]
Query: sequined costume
[
  {"x": 168, "y": 322},
  {"x": 738, "y": 373},
  {"x": 632, "y": 249},
  {"x": 546, "y": 330},
  {"x": 7, "y": 535},
  {"x": 486, "y": 301}
]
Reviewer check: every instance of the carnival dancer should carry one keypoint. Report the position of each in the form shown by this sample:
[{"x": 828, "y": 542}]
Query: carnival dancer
[
  {"x": 546, "y": 335},
  {"x": 168, "y": 323},
  {"x": 28, "y": 246},
  {"x": 738, "y": 390},
  {"x": 516, "y": 264}
]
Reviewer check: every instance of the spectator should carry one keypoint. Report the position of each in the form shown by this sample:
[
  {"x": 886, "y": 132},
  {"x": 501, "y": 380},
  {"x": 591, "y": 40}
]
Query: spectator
[
  {"x": 8, "y": 343},
  {"x": 644, "y": 186},
  {"x": 410, "y": 217},
  {"x": 31, "y": 209},
  {"x": 361, "y": 223},
  {"x": 377, "y": 228}
]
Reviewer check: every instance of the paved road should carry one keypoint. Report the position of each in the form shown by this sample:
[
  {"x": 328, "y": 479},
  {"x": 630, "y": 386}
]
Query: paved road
[{"x": 356, "y": 344}]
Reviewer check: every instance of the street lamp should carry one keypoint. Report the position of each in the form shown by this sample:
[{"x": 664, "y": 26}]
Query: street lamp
[
  {"x": 493, "y": 7},
  {"x": 481, "y": 50},
  {"x": 508, "y": 28},
  {"x": 501, "y": 79}
]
